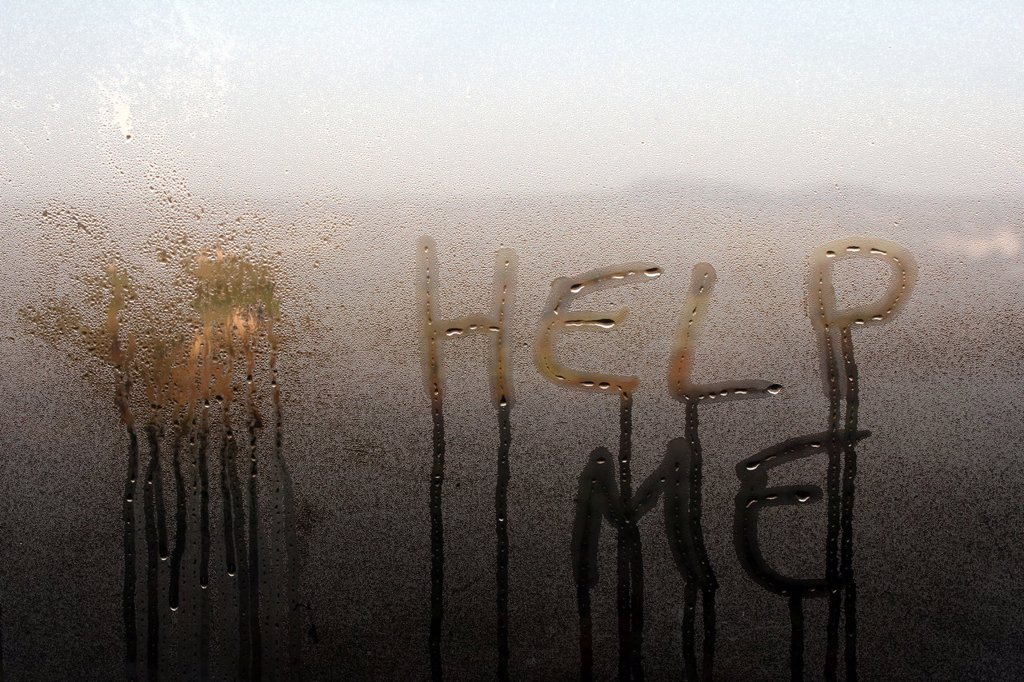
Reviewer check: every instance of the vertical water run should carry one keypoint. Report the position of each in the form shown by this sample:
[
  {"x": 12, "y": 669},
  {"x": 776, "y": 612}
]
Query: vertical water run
[
  {"x": 622, "y": 511},
  {"x": 195, "y": 590},
  {"x": 128, "y": 591},
  {"x": 684, "y": 466},
  {"x": 234, "y": 512},
  {"x": 152, "y": 555},
  {"x": 838, "y": 441},
  {"x": 242, "y": 564},
  {"x": 501, "y": 394},
  {"x": 204, "y": 469},
  {"x": 698, "y": 573},
  {"x": 234, "y": 299},
  {"x": 184, "y": 378},
  {"x": 841, "y": 384},
  {"x": 501, "y": 532},
  {"x": 227, "y": 503},
  {"x": 286, "y": 514},
  {"x": 436, "y": 543},
  {"x": 835, "y": 465},
  {"x": 837, "y": 461},
  {"x": 704, "y": 579},
  {"x": 121, "y": 359},
  {"x": 180, "y": 517},
  {"x": 630, "y": 559},
  {"x": 436, "y": 467},
  {"x": 624, "y": 542},
  {"x": 598, "y": 500},
  {"x": 586, "y": 533},
  {"x": 253, "y": 424},
  {"x": 846, "y": 522},
  {"x": 204, "y": 541},
  {"x": 796, "y": 636},
  {"x": 835, "y": 334},
  {"x": 504, "y": 273},
  {"x": 158, "y": 494}
]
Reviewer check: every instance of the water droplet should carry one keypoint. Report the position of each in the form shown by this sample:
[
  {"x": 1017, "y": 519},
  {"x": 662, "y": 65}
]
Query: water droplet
[
  {"x": 652, "y": 272},
  {"x": 775, "y": 389},
  {"x": 604, "y": 323}
]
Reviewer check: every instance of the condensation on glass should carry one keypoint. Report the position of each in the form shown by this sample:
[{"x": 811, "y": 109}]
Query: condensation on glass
[{"x": 436, "y": 341}]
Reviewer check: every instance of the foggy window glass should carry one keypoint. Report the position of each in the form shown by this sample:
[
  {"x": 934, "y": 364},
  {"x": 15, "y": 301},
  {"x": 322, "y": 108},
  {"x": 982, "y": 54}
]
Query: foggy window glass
[{"x": 522, "y": 341}]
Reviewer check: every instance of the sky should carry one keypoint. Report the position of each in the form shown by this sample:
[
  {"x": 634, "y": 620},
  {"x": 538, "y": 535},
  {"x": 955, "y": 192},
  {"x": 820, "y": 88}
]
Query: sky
[{"x": 459, "y": 97}]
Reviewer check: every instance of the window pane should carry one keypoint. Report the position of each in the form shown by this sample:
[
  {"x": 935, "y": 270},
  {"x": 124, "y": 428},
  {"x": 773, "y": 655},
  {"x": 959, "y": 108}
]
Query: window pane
[{"x": 317, "y": 361}]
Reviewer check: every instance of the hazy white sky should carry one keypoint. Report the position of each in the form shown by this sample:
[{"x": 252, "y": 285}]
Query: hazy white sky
[{"x": 451, "y": 97}]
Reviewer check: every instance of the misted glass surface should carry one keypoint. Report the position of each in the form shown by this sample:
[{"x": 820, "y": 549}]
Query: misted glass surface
[{"x": 422, "y": 341}]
